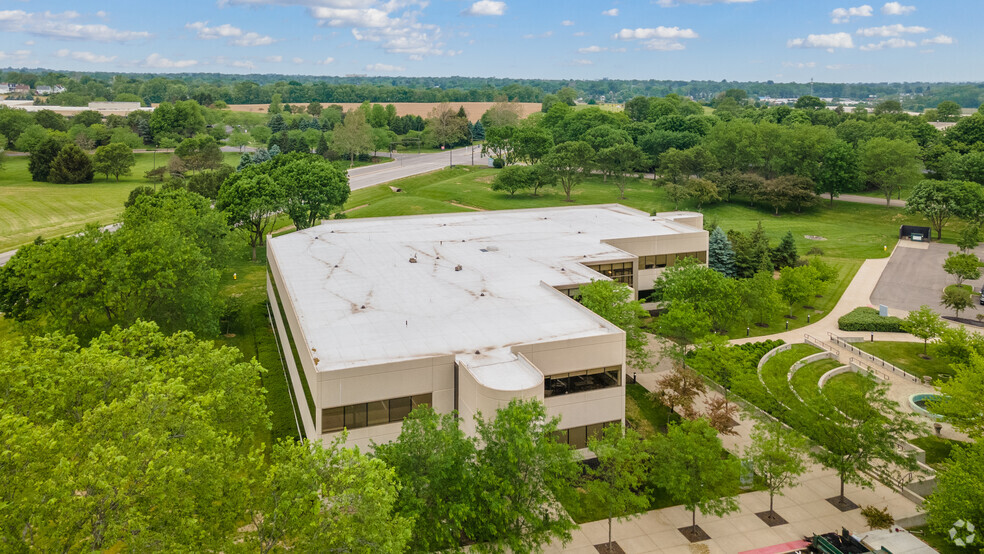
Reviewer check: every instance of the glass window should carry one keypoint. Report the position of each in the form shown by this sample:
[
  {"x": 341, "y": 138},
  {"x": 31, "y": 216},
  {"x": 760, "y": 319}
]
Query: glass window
[
  {"x": 560, "y": 436},
  {"x": 595, "y": 429},
  {"x": 400, "y": 408},
  {"x": 421, "y": 399},
  {"x": 661, "y": 260},
  {"x": 614, "y": 376},
  {"x": 332, "y": 419},
  {"x": 578, "y": 381},
  {"x": 702, "y": 257},
  {"x": 578, "y": 437},
  {"x": 355, "y": 416},
  {"x": 378, "y": 412}
]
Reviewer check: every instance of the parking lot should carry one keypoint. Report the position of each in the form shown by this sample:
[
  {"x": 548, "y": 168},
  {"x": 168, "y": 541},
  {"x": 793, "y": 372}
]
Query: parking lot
[{"x": 915, "y": 276}]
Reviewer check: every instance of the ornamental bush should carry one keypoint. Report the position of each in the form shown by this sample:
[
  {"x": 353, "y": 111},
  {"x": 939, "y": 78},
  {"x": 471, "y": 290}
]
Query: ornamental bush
[{"x": 867, "y": 319}]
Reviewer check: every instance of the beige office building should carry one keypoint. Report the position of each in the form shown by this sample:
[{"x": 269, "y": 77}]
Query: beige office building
[{"x": 463, "y": 312}]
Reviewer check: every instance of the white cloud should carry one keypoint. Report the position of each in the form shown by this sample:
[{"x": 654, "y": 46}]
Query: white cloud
[
  {"x": 567, "y": 23},
  {"x": 611, "y": 13},
  {"x": 582, "y": 62},
  {"x": 591, "y": 49},
  {"x": 890, "y": 43},
  {"x": 384, "y": 67},
  {"x": 325, "y": 61},
  {"x": 895, "y": 8},
  {"x": 273, "y": 59},
  {"x": 799, "y": 65},
  {"x": 61, "y": 26},
  {"x": 15, "y": 55},
  {"x": 674, "y": 3},
  {"x": 297, "y": 60},
  {"x": 235, "y": 35},
  {"x": 836, "y": 66},
  {"x": 545, "y": 34},
  {"x": 939, "y": 39},
  {"x": 486, "y": 7},
  {"x": 663, "y": 45},
  {"x": 843, "y": 15},
  {"x": 155, "y": 60},
  {"x": 654, "y": 32},
  {"x": 84, "y": 56},
  {"x": 351, "y": 17},
  {"x": 101, "y": 14},
  {"x": 828, "y": 42},
  {"x": 891, "y": 30}
]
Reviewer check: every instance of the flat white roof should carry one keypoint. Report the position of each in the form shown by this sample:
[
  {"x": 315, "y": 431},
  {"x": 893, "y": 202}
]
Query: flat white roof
[{"x": 360, "y": 301}]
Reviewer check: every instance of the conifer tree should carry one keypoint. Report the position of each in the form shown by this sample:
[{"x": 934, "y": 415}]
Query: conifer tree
[{"x": 721, "y": 255}]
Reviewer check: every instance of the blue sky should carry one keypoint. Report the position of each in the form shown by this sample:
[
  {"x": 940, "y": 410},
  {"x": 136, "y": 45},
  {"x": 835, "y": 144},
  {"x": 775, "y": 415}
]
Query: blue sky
[{"x": 782, "y": 40}]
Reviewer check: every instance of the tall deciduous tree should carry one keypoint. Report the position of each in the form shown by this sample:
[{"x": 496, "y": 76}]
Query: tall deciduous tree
[
  {"x": 531, "y": 143},
  {"x": 353, "y": 136},
  {"x": 695, "y": 470},
  {"x": 778, "y": 455},
  {"x": 760, "y": 298},
  {"x": 796, "y": 285},
  {"x": 446, "y": 127},
  {"x": 329, "y": 499},
  {"x": 312, "y": 188},
  {"x": 856, "y": 446},
  {"x": 938, "y": 201},
  {"x": 925, "y": 324},
  {"x": 616, "y": 482},
  {"x": 959, "y": 494},
  {"x": 571, "y": 161},
  {"x": 251, "y": 200},
  {"x": 41, "y": 158},
  {"x": 963, "y": 267},
  {"x": 838, "y": 171},
  {"x": 513, "y": 179},
  {"x": 127, "y": 442},
  {"x": 679, "y": 389},
  {"x": 525, "y": 474},
  {"x": 962, "y": 397},
  {"x": 436, "y": 466},
  {"x": 890, "y": 164},
  {"x": 199, "y": 153},
  {"x": 620, "y": 161},
  {"x": 613, "y": 302},
  {"x": 114, "y": 159}
]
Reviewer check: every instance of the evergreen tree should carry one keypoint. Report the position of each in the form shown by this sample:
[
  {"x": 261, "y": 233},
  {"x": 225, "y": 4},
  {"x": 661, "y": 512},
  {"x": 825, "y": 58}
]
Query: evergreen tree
[
  {"x": 261, "y": 155},
  {"x": 322, "y": 148},
  {"x": 478, "y": 131},
  {"x": 245, "y": 161},
  {"x": 72, "y": 165},
  {"x": 41, "y": 157},
  {"x": 274, "y": 151},
  {"x": 143, "y": 129},
  {"x": 277, "y": 124},
  {"x": 785, "y": 254},
  {"x": 721, "y": 255}
]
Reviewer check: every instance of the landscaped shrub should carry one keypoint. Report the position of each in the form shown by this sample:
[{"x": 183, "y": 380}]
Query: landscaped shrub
[
  {"x": 867, "y": 319},
  {"x": 758, "y": 349}
]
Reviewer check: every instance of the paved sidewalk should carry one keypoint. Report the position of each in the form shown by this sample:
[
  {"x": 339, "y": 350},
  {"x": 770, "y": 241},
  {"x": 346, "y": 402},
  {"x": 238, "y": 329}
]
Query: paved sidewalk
[{"x": 857, "y": 198}]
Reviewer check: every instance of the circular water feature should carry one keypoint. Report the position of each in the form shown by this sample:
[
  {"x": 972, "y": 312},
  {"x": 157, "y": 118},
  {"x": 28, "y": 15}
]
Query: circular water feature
[{"x": 920, "y": 404}]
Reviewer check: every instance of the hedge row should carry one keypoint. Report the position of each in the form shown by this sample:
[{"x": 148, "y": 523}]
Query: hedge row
[{"x": 867, "y": 319}]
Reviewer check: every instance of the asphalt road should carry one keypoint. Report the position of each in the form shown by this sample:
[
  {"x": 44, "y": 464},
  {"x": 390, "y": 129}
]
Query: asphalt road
[
  {"x": 915, "y": 277},
  {"x": 407, "y": 165}
]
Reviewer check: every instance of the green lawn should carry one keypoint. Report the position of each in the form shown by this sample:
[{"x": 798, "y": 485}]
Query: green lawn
[
  {"x": 818, "y": 308},
  {"x": 806, "y": 379},
  {"x": 940, "y": 541},
  {"x": 908, "y": 356},
  {"x": 845, "y": 392},
  {"x": 29, "y": 209},
  {"x": 853, "y": 231},
  {"x": 253, "y": 336},
  {"x": 776, "y": 370},
  {"x": 937, "y": 449},
  {"x": 643, "y": 414}
]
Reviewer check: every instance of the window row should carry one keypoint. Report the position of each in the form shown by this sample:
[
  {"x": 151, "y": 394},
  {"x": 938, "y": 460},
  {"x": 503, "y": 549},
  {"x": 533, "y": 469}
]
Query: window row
[
  {"x": 578, "y": 436},
  {"x": 667, "y": 260},
  {"x": 582, "y": 381},
  {"x": 621, "y": 271},
  {"x": 379, "y": 412}
]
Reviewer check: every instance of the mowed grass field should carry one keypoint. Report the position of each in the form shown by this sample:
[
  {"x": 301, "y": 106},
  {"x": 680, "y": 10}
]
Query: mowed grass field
[
  {"x": 29, "y": 209},
  {"x": 852, "y": 231}
]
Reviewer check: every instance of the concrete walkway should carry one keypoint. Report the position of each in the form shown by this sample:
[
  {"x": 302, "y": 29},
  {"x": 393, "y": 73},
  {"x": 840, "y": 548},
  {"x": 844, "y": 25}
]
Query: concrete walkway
[{"x": 857, "y": 198}]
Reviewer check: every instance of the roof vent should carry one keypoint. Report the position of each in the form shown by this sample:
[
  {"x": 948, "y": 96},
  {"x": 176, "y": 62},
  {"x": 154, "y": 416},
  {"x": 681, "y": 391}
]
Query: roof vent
[
  {"x": 462, "y": 240},
  {"x": 363, "y": 306},
  {"x": 562, "y": 269},
  {"x": 413, "y": 260},
  {"x": 457, "y": 267},
  {"x": 483, "y": 294},
  {"x": 316, "y": 360},
  {"x": 477, "y": 352}
]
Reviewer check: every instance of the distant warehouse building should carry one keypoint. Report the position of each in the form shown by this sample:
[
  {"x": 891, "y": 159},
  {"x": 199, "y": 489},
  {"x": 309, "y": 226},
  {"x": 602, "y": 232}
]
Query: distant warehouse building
[{"x": 464, "y": 312}]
